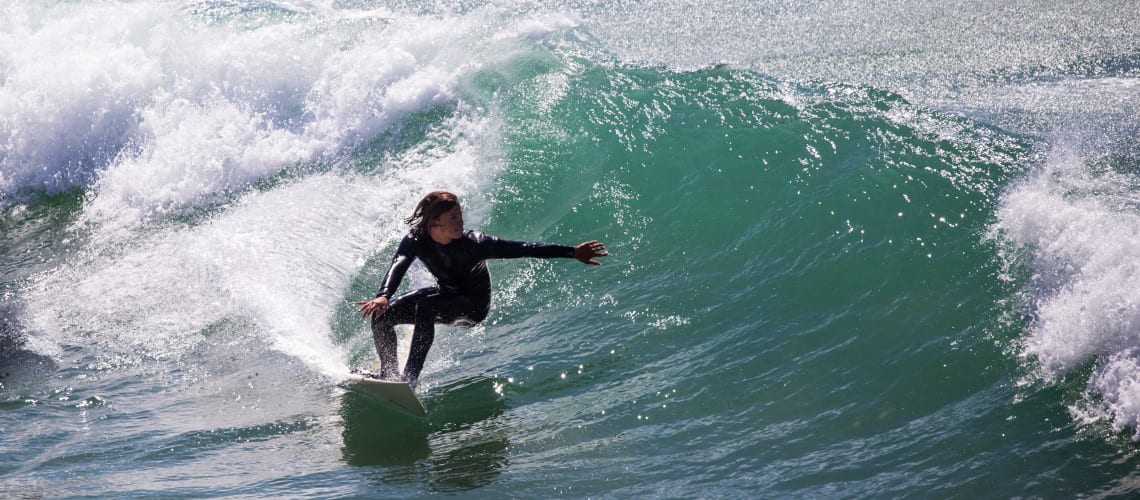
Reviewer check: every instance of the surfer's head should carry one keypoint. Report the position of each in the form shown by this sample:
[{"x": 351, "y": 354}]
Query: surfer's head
[{"x": 429, "y": 211}]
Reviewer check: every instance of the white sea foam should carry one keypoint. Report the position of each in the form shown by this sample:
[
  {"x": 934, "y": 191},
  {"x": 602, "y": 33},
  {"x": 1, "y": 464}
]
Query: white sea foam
[
  {"x": 1114, "y": 395},
  {"x": 156, "y": 108},
  {"x": 253, "y": 103},
  {"x": 1080, "y": 224},
  {"x": 70, "y": 88}
]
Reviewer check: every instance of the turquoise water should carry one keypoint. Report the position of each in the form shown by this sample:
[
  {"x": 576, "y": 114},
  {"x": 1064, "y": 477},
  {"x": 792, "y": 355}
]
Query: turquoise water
[{"x": 856, "y": 250}]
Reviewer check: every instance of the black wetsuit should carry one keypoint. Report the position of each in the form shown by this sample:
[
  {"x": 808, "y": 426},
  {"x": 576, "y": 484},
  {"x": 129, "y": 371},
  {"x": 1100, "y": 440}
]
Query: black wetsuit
[{"x": 462, "y": 297}]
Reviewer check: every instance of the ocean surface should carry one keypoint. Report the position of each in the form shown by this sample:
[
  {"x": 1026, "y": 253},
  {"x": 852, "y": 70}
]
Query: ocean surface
[{"x": 858, "y": 249}]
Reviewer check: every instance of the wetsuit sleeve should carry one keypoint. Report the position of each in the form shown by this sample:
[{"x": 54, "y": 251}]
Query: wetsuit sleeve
[
  {"x": 405, "y": 255},
  {"x": 496, "y": 248}
]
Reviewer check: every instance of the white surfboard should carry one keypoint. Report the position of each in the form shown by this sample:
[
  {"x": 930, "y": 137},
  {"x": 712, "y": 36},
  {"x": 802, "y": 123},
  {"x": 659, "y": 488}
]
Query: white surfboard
[{"x": 396, "y": 394}]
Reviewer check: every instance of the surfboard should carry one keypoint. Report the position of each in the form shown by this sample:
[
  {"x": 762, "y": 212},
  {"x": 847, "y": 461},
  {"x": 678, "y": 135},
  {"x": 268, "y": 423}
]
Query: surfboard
[{"x": 393, "y": 393}]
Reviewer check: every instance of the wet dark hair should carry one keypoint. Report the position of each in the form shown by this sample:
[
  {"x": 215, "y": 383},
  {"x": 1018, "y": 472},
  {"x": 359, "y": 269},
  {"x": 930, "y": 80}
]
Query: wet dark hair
[{"x": 435, "y": 204}]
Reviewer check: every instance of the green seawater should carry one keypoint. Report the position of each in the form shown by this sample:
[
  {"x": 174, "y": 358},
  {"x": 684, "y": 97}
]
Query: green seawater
[{"x": 817, "y": 286}]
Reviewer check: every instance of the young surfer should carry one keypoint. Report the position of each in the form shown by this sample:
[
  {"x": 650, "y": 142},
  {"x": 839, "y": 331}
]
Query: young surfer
[{"x": 457, "y": 259}]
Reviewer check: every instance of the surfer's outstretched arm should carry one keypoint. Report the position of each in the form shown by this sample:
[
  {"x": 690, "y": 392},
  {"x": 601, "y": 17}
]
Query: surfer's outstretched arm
[{"x": 490, "y": 247}]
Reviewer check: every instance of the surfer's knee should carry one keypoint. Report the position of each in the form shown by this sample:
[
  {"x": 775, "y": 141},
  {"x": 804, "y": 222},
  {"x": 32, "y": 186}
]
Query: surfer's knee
[{"x": 425, "y": 310}]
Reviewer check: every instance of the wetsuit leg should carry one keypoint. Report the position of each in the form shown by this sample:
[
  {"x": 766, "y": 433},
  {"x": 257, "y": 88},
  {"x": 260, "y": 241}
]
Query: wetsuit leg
[
  {"x": 456, "y": 310},
  {"x": 401, "y": 311}
]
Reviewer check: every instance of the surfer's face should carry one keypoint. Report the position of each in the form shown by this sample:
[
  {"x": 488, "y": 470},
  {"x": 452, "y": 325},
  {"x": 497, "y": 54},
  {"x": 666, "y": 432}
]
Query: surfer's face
[{"x": 449, "y": 226}]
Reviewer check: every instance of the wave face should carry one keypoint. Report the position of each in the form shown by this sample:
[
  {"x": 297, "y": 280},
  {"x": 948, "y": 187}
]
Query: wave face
[{"x": 853, "y": 263}]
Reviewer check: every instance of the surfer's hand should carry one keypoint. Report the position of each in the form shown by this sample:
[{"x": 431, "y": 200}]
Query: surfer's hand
[
  {"x": 586, "y": 252},
  {"x": 375, "y": 306}
]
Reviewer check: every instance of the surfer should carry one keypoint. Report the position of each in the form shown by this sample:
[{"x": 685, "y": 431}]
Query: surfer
[{"x": 457, "y": 259}]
